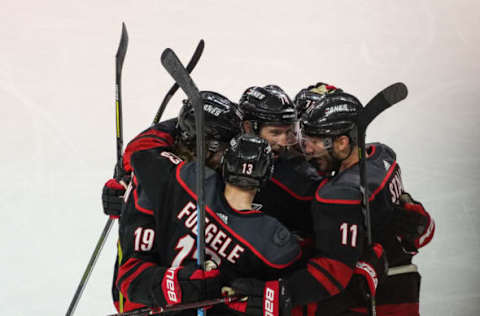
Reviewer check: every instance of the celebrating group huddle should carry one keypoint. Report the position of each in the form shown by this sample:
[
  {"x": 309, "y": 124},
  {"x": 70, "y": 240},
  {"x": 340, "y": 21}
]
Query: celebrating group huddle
[{"x": 284, "y": 231}]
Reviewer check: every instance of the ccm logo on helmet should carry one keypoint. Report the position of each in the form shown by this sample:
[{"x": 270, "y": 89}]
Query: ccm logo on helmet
[{"x": 212, "y": 110}]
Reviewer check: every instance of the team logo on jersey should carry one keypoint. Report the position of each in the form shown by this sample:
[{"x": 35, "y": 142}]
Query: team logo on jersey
[
  {"x": 223, "y": 217},
  {"x": 257, "y": 206}
]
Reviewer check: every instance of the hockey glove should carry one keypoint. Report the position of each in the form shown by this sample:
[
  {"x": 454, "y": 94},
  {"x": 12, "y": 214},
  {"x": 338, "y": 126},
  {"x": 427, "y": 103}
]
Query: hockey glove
[
  {"x": 113, "y": 192},
  {"x": 269, "y": 298},
  {"x": 370, "y": 270},
  {"x": 186, "y": 284},
  {"x": 412, "y": 223}
]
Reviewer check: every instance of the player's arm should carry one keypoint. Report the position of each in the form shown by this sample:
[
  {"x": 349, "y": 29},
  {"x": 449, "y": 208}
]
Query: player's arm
[
  {"x": 142, "y": 280},
  {"x": 158, "y": 136},
  {"x": 140, "y": 277},
  {"x": 339, "y": 244}
]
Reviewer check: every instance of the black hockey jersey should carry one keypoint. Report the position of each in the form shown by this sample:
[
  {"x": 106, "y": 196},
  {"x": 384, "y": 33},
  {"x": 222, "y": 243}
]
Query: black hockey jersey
[
  {"x": 289, "y": 193},
  {"x": 158, "y": 229},
  {"x": 339, "y": 226}
]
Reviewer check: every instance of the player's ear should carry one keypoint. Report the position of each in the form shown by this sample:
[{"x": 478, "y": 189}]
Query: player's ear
[{"x": 342, "y": 142}]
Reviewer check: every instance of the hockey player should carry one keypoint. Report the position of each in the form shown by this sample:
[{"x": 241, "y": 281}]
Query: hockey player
[
  {"x": 270, "y": 114},
  {"x": 158, "y": 247},
  {"x": 400, "y": 223},
  {"x": 222, "y": 122}
]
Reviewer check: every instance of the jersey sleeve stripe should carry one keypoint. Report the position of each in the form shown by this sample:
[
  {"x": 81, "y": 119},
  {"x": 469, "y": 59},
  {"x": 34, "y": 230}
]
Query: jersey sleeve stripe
[
  {"x": 139, "y": 268},
  {"x": 127, "y": 269},
  {"x": 321, "y": 277},
  {"x": 293, "y": 194},
  {"x": 142, "y": 144},
  {"x": 337, "y": 272},
  {"x": 160, "y": 134}
]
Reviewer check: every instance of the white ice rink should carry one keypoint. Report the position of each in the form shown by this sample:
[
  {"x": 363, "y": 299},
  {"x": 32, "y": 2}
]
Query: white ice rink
[{"x": 57, "y": 118}]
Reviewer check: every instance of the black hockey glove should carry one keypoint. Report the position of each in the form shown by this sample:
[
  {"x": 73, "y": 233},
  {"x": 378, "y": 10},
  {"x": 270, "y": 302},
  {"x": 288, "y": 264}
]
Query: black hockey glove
[
  {"x": 412, "y": 224},
  {"x": 269, "y": 298},
  {"x": 113, "y": 192},
  {"x": 186, "y": 284},
  {"x": 370, "y": 270}
]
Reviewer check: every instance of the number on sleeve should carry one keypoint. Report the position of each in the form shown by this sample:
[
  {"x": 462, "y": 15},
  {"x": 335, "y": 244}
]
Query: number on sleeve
[{"x": 144, "y": 238}]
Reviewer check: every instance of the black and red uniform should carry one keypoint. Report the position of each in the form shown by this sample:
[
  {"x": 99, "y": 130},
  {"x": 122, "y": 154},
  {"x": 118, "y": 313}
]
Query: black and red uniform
[
  {"x": 340, "y": 233},
  {"x": 288, "y": 194},
  {"x": 158, "y": 229},
  {"x": 161, "y": 135}
]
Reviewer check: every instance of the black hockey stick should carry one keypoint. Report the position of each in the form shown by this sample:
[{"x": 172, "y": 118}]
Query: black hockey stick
[
  {"x": 173, "y": 65},
  {"x": 190, "y": 66},
  {"x": 179, "y": 307},
  {"x": 119, "y": 58},
  {"x": 382, "y": 101}
]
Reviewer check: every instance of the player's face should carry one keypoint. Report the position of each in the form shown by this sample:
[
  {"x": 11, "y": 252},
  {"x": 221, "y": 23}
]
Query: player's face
[
  {"x": 316, "y": 152},
  {"x": 279, "y": 136}
]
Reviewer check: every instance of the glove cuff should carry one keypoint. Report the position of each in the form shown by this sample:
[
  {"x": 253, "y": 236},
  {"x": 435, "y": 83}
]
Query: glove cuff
[
  {"x": 369, "y": 274},
  {"x": 171, "y": 289},
  {"x": 271, "y": 297}
]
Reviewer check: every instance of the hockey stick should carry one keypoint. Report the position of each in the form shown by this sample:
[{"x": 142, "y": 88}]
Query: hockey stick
[
  {"x": 119, "y": 58},
  {"x": 382, "y": 101},
  {"x": 173, "y": 65},
  {"x": 191, "y": 65},
  {"x": 179, "y": 307}
]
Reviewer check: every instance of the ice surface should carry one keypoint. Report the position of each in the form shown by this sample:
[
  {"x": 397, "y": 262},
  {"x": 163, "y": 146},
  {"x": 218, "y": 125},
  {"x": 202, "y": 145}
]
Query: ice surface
[{"x": 57, "y": 118}]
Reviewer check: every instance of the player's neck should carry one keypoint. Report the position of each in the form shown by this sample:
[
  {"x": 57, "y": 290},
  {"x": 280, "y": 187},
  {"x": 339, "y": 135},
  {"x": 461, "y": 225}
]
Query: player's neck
[
  {"x": 351, "y": 160},
  {"x": 238, "y": 198}
]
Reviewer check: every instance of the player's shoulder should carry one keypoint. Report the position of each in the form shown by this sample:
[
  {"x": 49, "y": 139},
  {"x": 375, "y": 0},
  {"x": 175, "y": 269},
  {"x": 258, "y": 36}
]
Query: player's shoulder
[
  {"x": 167, "y": 126},
  {"x": 344, "y": 188},
  {"x": 187, "y": 176},
  {"x": 268, "y": 239},
  {"x": 154, "y": 162}
]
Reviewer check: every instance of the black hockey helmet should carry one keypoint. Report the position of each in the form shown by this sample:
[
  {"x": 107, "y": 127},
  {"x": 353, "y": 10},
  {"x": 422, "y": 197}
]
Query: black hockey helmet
[
  {"x": 334, "y": 115},
  {"x": 247, "y": 162},
  {"x": 222, "y": 120},
  {"x": 312, "y": 95},
  {"x": 267, "y": 105}
]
